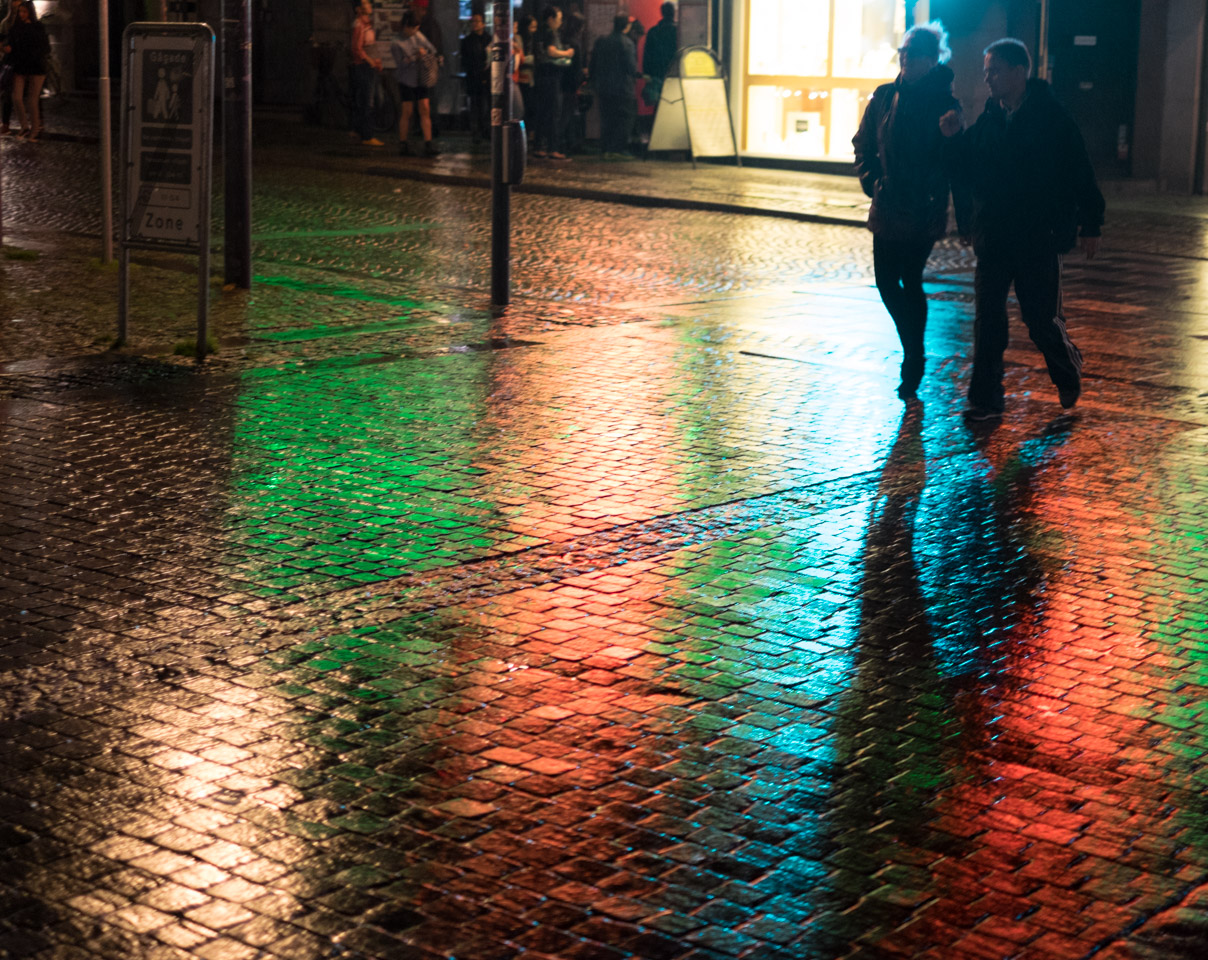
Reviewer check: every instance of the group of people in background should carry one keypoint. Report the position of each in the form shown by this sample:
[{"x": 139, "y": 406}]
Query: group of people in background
[
  {"x": 1024, "y": 193},
  {"x": 555, "y": 76},
  {"x": 26, "y": 55}
]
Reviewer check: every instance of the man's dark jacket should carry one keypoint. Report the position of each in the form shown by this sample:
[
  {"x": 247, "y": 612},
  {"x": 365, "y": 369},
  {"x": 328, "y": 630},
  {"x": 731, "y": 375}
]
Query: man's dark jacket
[
  {"x": 902, "y": 160},
  {"x": 475, "y": 58},
  {"x": 614, "y": 66},
  {"x": 1032, "y": 184},
  {"x": 662, "y": 43}
]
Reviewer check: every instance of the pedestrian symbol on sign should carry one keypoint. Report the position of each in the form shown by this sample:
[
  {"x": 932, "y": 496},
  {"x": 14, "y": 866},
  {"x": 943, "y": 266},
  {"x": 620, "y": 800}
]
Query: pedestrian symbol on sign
[{"x": 167, "y": 87}]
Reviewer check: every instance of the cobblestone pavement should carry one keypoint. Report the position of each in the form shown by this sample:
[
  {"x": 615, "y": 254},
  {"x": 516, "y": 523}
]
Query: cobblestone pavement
[{"x": 638, "y": 620}]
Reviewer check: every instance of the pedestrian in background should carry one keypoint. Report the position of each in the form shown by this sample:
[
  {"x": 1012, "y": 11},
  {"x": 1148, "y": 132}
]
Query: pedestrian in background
[
  {"x": 1034, "y": 196},
  {"x": 614, "y": 68},
  {"x": 364, "y": 70},
  {"x": 574, "y": 37},
  {"x": 410, "y": 50},
  {"x": 901, "y": 161},
  {"x": 27, "y": 51},
  {"x": 526, "y": 33},
  {"x": 662, "y": 44},
  {"x": 6, "y": 69},
  {"x": 552, "y": 59},
  {"x": 476, "y": 65}
]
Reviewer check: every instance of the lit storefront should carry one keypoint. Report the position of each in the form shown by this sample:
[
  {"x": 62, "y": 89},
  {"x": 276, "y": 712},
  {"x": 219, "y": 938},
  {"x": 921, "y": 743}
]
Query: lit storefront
[{"x": 803, "y": 71}]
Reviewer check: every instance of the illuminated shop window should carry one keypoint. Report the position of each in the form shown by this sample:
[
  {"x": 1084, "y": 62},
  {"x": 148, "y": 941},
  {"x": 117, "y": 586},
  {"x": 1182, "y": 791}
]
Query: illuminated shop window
[{"x": 810, "y": 68}]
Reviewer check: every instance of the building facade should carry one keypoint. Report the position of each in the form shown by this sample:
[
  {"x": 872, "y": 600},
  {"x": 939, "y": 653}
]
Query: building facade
[{"x": 1132, "y": 72}]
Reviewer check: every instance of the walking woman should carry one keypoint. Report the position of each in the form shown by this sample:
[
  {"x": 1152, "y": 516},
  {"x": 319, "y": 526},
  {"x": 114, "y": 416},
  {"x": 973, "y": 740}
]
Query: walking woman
[
  {"x": 900, "y": 158},
  {"x": 27, "y": 49}
]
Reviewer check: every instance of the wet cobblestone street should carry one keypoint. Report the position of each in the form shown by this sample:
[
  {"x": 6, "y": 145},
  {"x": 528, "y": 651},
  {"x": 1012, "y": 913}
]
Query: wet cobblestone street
[{"x": 640, "y": 620}]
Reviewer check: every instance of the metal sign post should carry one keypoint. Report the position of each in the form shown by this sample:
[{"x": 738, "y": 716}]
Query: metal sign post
[
  {"x": 237, "y": 142},
  {"x": 507, "y": 157},
  {"x": 106, "y": 104},
  {"x": 167, "y": 118}
]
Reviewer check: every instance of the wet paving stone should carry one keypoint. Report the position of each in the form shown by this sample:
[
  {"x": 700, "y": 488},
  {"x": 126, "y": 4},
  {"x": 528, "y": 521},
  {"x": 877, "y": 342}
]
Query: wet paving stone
[{"x": 638, "y": 621}]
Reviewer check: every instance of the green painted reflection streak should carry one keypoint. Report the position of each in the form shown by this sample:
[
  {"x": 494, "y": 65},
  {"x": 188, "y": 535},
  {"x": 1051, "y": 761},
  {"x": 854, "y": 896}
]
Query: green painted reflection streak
[{"x": 350, "y": 475}]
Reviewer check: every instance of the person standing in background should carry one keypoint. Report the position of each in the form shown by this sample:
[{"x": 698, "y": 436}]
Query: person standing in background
[
  {"x": 363, "y": 73},
  {"x": 476, "y": 65},
  {"x": 552, "y": 59},
  {"x": 27, "y": 49},
  {"x": 662, "y": 44},
  {"x": 408, "y": 51},
  {"x": 526, "y": 34},
  {"x": 614, "y": 68}
]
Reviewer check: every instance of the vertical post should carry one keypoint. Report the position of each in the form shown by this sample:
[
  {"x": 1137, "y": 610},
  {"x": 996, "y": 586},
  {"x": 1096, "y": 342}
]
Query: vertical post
[
  {"x": 1042, "y": 42},
  {"x": 501, "y": 192},
  {"x": 237, "y": 142},
  {"x": 106, "y": 105}
]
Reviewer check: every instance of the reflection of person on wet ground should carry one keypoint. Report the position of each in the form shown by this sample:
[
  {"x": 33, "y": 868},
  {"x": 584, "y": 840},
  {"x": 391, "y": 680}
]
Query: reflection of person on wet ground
[
  {"x": 900, "y": 159},
  {"x": 1033, "y": 195},
  {"x": 947, "y": 598}
]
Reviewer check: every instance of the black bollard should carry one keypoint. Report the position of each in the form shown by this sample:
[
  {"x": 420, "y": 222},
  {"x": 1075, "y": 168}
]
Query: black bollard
[
  {"x": 501, "y": 190},
  {"x": 237, "y": 142}
]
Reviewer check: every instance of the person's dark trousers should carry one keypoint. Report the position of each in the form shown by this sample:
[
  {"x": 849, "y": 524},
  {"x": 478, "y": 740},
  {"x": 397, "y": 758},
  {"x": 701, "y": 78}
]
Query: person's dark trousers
[
  {"x": 362, "y": 99},
  {"x": 898, "y": 268},
  {"x": 1037, "y": 279},
  {"x": 548, "y": 97},
  {"x": 480, "y": 109},
  {"x": 616, "y": 122},
  {"x": 6, "y": 108}
]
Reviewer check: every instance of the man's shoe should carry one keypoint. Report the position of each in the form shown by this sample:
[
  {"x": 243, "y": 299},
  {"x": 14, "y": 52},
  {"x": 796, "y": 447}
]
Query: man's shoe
[
  {"x": 372, "y": 142},
  {"x": 981, "y": 414},
  {"x": 907, "y": 393},
  {"x": 1069, "y": 398}
]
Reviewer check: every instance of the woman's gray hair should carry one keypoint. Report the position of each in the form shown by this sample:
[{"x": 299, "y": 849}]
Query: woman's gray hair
[{"x": 932, "y": 38}]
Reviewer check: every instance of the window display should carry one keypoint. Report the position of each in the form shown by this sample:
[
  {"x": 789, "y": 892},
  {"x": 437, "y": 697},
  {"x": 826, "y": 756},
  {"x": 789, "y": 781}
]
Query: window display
[{"x": 810, "y": 66}]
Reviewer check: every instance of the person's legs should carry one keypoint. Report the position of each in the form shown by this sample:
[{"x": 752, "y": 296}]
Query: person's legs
[
  {"x": 913, "y": 324},
  {"x": 404, "y": 120},
  {"x": 6, "y": 108},
  {"x": 424, "y": 108},
  {"x": 362, "y": 94},
  {"x": 19, "y": 101},
  {"x": 33, "y": 105},
  {"x": 608, "y": 125},
  {"x": 991, "y": 284},
  {"x": 1038, "y": 287},
  {"x": 898, "y": 268}
]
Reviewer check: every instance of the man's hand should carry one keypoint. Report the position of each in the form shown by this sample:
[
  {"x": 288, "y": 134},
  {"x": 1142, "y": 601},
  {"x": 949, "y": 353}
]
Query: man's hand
[
  {"x": 950, "y": 123},
  {"x": 1090, "y": 246}
]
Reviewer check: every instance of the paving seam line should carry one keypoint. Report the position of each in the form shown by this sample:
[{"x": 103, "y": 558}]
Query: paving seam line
[{"x": 614, "y": 196}]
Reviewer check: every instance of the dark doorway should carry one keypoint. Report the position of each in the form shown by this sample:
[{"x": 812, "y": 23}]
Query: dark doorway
[{"x": 1093, "y": 52}]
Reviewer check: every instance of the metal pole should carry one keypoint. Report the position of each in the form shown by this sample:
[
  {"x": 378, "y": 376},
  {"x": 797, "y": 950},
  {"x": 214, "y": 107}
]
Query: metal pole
[
  {"x": 1042, "y": 44},
  {"x": 501, "y": 192},
  {"x": 103, "y": 92},
  {"x": 237, "y": 142}
]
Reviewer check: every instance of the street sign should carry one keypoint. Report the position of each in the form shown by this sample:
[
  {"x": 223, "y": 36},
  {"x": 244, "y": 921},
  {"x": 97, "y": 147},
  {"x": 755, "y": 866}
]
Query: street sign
[
  {"x": 167, "y": 119},
  {"x": 694, "y": 108}
]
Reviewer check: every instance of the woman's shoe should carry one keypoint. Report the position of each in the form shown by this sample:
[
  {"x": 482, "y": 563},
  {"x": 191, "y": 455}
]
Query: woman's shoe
[{"x": 33, "y": 137}]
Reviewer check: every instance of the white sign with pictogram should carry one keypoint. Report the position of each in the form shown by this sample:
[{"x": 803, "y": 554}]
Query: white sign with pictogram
[{"x": 166, "y": 121}]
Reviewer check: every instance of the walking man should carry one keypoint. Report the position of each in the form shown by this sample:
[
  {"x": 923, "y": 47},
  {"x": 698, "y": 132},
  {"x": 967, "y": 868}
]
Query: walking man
[
  {"x": 1033, "y": 197},
  {"x": 900, "y": 158},
  {"x": 614, "y": 68}
]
